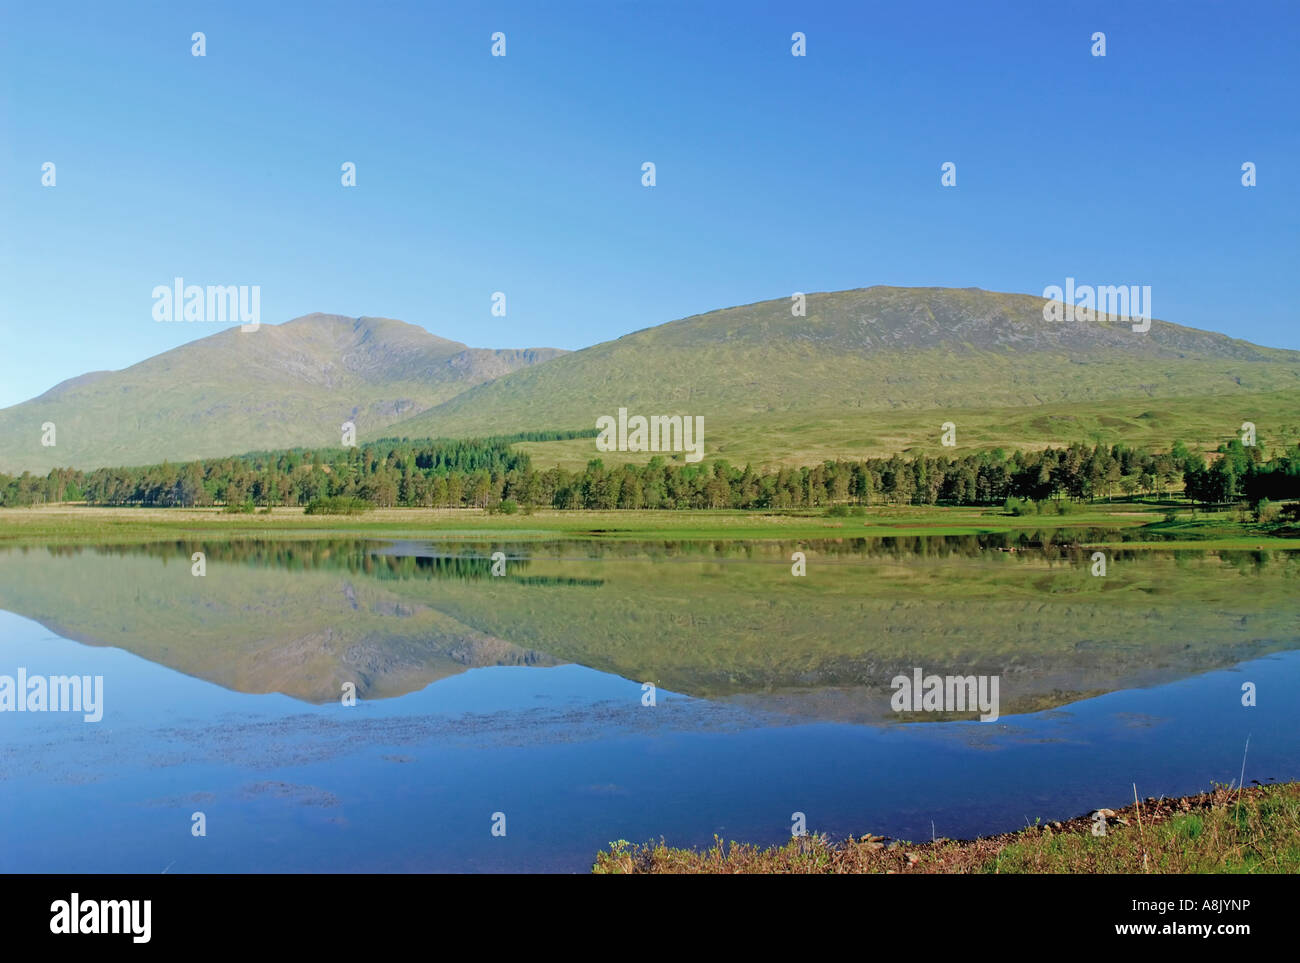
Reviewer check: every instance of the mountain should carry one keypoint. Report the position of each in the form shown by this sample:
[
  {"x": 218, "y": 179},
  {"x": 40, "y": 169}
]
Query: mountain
[
  {"x": 866, "y": 372},
  {"x": 882, "y": 361},
  {"x": 279, "y": 386}
]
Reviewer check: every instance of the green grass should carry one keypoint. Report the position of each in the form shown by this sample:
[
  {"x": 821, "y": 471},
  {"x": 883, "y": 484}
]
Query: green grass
[
  {"x": 878, "y": 370},
  {"x": 809, "y": 436},
  {"x": 1254, "y": 831},
  {"x": 71, "y": 524}
]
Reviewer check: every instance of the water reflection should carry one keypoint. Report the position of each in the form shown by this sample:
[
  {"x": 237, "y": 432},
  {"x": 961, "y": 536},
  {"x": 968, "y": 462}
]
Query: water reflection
[{"x": 718, "y": 619}]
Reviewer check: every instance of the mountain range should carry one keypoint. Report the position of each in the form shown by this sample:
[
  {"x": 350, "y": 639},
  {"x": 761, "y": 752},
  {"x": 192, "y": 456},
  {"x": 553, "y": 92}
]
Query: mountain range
[{"x": 860, "y": 372}]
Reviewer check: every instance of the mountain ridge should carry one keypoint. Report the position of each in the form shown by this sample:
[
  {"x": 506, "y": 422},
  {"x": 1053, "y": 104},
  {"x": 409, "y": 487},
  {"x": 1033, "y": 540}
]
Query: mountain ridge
[
  {"x": 282, "y": 385},
  {"x": 757, "y": 370},
  {"x": 879, "y": 348}
]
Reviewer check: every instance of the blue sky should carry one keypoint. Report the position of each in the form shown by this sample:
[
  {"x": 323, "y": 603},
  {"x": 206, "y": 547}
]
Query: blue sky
[{"x": 522, "y": 174}]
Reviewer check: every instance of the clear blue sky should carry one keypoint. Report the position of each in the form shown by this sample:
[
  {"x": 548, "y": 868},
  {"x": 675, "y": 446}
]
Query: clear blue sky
[{"x": 523, "y": 174}]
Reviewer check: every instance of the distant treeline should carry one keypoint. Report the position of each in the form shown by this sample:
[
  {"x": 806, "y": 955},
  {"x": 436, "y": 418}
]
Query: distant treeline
[{"x": 488, "y": 473}]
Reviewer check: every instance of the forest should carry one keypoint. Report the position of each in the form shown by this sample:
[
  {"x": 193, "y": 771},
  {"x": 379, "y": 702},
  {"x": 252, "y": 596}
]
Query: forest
[{"x": 490, "y": 474}]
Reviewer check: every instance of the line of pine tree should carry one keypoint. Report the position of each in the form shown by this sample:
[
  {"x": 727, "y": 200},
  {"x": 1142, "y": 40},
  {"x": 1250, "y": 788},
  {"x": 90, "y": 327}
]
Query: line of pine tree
[{"x": 489, "y": 473}]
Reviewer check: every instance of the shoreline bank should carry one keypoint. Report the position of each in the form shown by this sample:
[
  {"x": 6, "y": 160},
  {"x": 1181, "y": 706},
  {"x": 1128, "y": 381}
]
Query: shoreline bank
[{"x": 1223, "y": 830}]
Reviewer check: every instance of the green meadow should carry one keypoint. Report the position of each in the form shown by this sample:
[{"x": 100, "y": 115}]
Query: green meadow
[
  {"x": 1130, "y": 522},
  {"x": 796, "y": 438},
  {"x": 79, "y": 524}
]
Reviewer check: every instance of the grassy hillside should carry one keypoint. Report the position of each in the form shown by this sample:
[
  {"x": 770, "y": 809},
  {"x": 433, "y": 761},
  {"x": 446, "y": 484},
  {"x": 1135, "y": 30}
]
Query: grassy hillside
[
  {"x": 872, "y": 370},
  {"x": 277, "y": 387},
  {"x": 798, "y": 438},
  {"x": 865, "y": 372}
]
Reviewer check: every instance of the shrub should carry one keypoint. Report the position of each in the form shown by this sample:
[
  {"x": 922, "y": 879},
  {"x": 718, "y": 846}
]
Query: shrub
[
  {"x": 1267, "y": 512},
  {"x": 240, "y": 508},
  {"x": 338, "y": 505}
]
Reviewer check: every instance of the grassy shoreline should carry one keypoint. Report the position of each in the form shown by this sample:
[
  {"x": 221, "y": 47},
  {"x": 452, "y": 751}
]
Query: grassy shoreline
[
  {"x": 79, "y": 524},
  {"x": 1254, "y": 830}
]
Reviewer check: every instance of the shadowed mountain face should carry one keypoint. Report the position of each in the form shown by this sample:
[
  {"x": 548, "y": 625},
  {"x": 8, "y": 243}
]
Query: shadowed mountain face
[
  {"x": 877, "y": 348},
  {"x": 712, "y": 619},
  {"x": 277, "y": 387}
]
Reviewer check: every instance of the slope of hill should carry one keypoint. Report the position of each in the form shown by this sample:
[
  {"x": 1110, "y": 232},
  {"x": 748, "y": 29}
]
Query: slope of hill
[
  {"x": 767, "y": 383},
  {"x": 795, "y": 438},
  {"x": 280, "y": 386},
  {"x": 866, "y": 372}
]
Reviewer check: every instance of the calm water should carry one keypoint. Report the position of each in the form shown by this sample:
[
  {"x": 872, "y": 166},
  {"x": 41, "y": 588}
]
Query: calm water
[{"x": 522, "y": 694}]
